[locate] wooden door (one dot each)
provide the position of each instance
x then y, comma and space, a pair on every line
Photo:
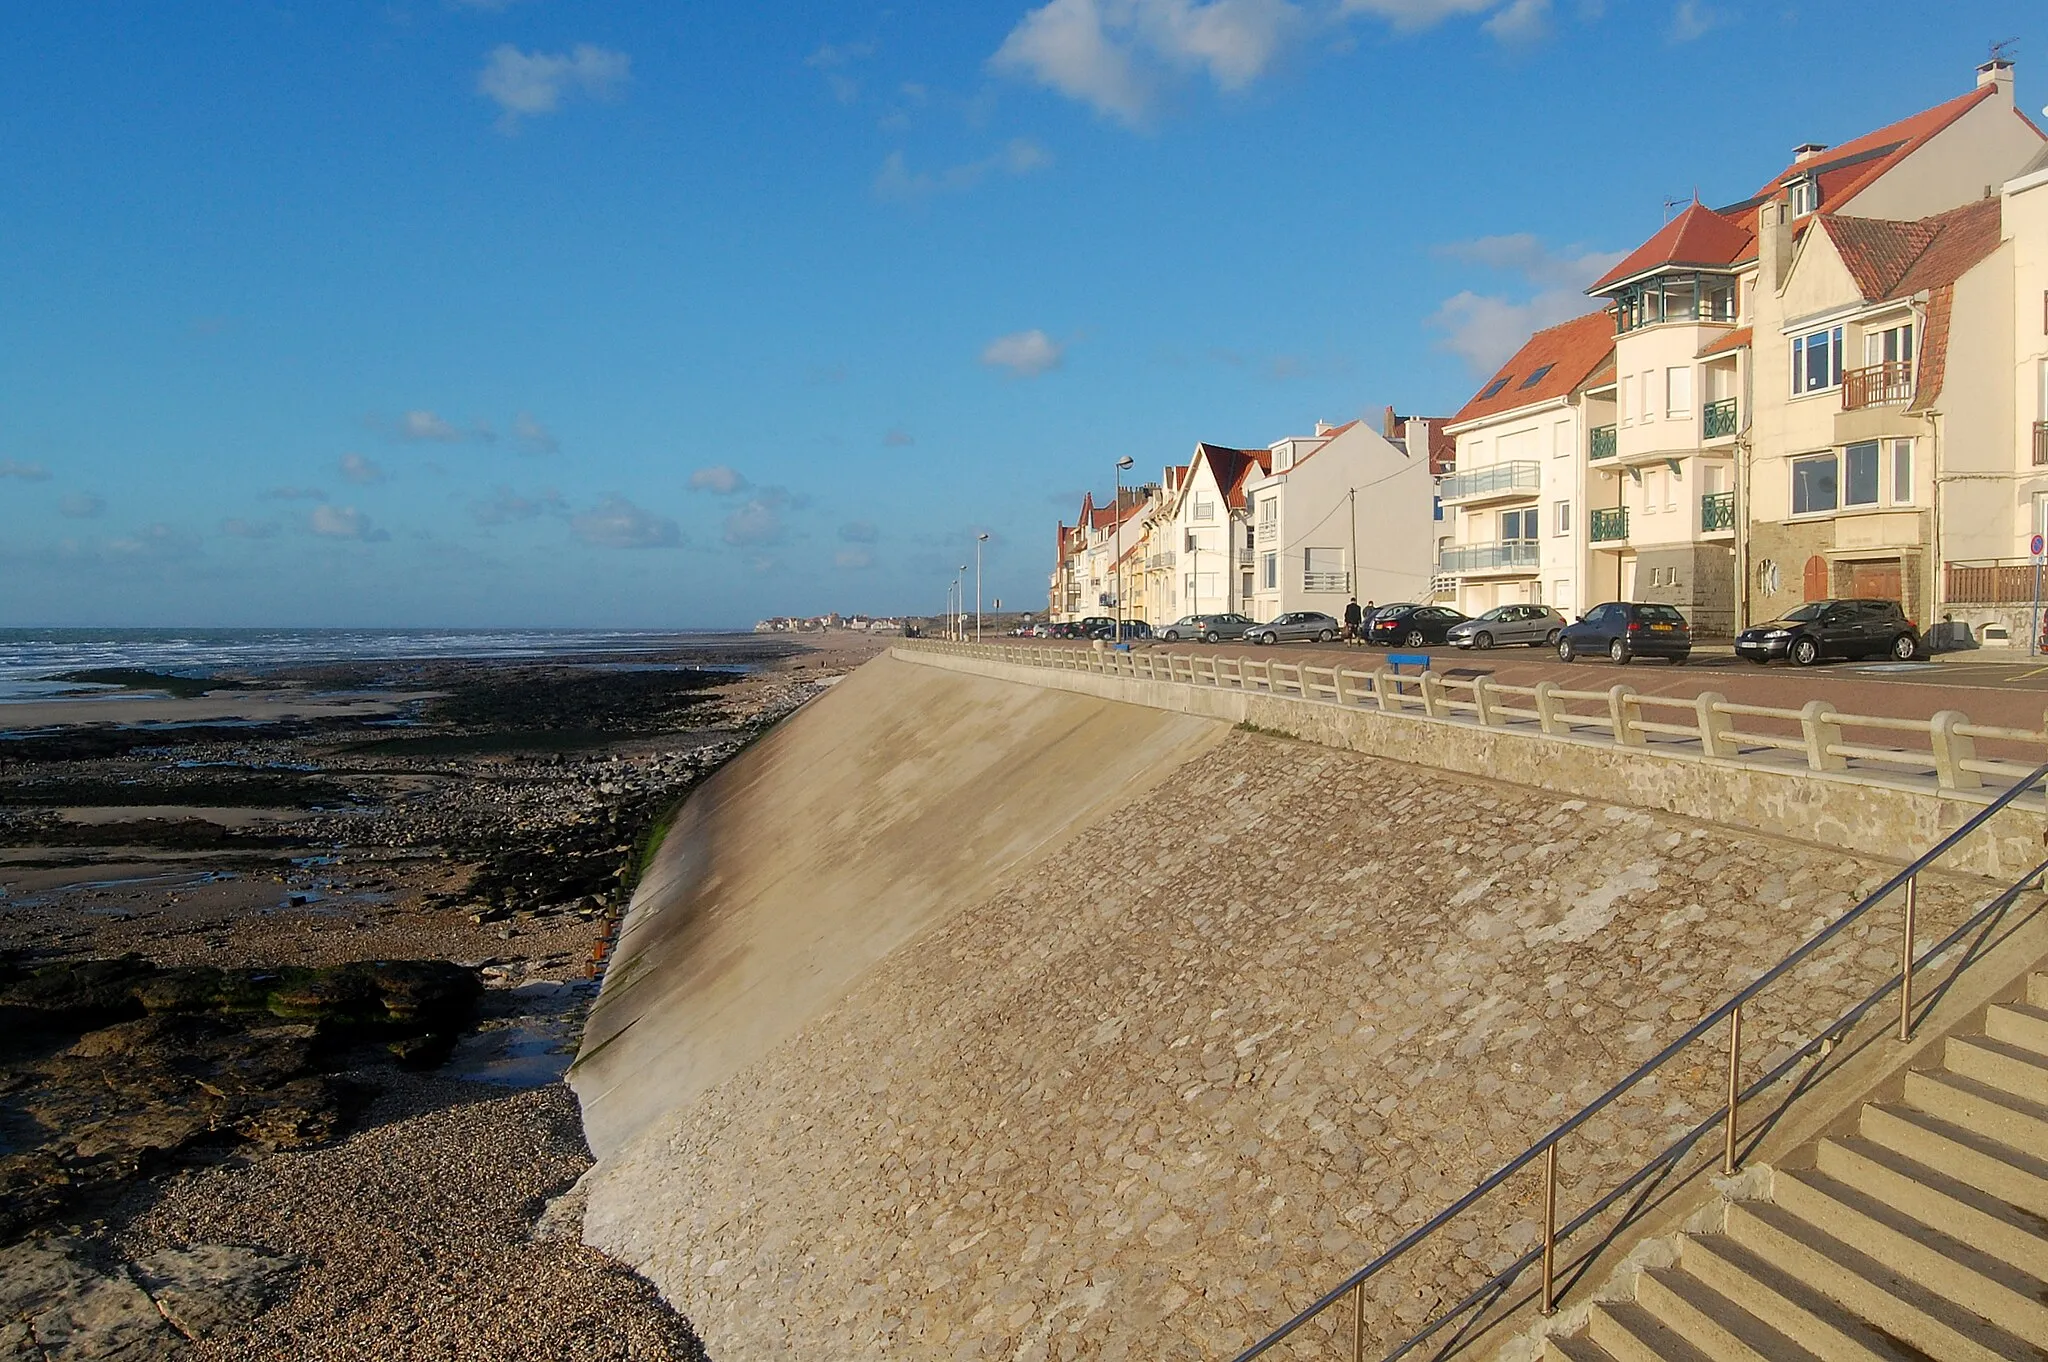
1817, 579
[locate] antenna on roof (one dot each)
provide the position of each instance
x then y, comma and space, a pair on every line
2005, 49
1670, 204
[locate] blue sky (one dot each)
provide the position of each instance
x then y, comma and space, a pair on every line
558, 312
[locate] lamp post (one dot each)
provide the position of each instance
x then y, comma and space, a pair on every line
979, 540
960, 601
1121, 465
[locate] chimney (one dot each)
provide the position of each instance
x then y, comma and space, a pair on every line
1806, 151
1387, 427
1997, 71
1324, 427
1774, 244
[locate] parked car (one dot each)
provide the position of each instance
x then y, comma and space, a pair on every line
1066, 629
1626, 631
1296, 625
1411, 626
1822, 629
1536, 625
1106, 628
1208, 628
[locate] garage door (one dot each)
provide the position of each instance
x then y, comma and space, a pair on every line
1878, 581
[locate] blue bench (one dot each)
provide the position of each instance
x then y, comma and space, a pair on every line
1419, 661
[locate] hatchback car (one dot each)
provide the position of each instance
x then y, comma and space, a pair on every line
1208, 628
1296, 625
1099, 626
1822, 629
1536, 625
1411, 626
1625, 632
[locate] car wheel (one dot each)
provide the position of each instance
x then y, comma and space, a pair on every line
1414, 639
1170, 636
1550, 639
1327, 636
1905, 647
1805, 652
1482, 639
1565, 651
1269, 638
1617, 653
1209, 638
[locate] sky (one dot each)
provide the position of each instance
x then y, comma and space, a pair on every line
620, 313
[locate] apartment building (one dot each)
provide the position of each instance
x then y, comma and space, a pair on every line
1199, 534
1514, 502
1342, 514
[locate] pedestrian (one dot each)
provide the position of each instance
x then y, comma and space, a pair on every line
1365, 621
1351, 619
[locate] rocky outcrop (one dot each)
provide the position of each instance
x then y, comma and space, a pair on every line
59, 1304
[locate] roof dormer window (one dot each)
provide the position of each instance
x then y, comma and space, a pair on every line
1804, 195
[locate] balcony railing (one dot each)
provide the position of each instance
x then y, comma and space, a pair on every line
1609, 524
1718, 419
1717, 512
1269, 530
1163, 559
2040, 443
1879, 385
1509, 555
1326, 581
1516, 475
1243, 555
1604, 443
1988, 581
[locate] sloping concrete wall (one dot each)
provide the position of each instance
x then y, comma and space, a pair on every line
881, 809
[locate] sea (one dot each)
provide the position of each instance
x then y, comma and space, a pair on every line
32, 659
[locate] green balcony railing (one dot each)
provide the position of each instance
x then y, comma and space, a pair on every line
1717, 512
1610, 523
1719, 418
1603, 442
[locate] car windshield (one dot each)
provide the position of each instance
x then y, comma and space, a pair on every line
1661, 614
1812, 610
1499, 612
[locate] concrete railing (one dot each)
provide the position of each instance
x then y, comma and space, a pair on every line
1944, 746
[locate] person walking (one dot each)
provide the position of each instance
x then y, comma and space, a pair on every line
1351, 619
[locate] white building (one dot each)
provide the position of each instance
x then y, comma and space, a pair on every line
1339, 516
1201, 555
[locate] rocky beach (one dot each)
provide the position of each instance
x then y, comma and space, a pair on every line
292, 961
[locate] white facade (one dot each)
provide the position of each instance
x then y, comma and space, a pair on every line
1197, 559
1342, 515
1515, 509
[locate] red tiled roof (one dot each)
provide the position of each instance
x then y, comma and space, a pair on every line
1572, 351
1233, 468
1698, 236
1737, 339
1848, 169
1933, 349
1899, 259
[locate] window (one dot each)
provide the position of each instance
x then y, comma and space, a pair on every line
1269, 571
1564, 517
1205, 508
1678, 391
1817, 361
1533, 379
1860, 466
1893, 345
1494, 387
1813, 485
1519, 524
1805, 196
1269, 510
1902, 472
1622, 392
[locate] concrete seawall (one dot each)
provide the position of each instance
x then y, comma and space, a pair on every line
885, 805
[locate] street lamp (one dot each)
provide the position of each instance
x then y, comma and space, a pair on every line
960, 600
979, 540
1121, 465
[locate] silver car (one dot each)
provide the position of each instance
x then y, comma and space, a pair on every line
1295, 625
1535, 625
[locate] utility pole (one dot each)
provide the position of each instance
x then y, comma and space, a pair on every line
979, 540
1121, 465
1354, 544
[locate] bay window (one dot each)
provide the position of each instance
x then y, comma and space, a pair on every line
1859, 466
1813, 485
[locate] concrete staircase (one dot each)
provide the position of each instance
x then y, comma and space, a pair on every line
1922, 1236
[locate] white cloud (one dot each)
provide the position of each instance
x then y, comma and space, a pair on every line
896, 181
361, 471
898, 438
533, 437
293, 494
524, 84
1692, 20
859, 532
1523, 253
237, 528
27, 472
616, 523
853, 560
1116, 55
504, 505
1024, 353
718, 479
344, 522
758, 520
1523, 21
1409, 15
1485, 328
81, 506
157, 541
426, 426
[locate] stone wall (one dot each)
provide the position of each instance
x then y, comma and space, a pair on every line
1155, 1092
1699, 579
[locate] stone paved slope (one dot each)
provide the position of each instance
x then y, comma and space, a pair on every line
1147, 1099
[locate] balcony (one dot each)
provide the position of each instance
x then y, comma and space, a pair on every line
1879, 385
1242, 555
1269, 530
1717, 419
1517, 478
1512, 555
1717, 513
1604, 442
1163, 560
1339, 582
2040, 443
1608, 524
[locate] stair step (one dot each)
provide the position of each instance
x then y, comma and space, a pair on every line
1991, 1112
1715, 1324
1889, 1298
2020, 1024
1933, 1198
1630, 1333
1789, 1303
2037, 989
1577, 1348
2001, 1292
2012, 1175
2019, 1072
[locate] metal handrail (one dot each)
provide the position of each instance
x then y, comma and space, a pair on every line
1730, 1010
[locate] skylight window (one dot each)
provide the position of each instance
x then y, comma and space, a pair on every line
1533, 379
1495, 386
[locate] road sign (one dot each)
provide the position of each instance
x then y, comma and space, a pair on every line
2037, 546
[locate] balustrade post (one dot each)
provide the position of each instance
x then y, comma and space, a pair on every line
1341, 685
1714, 725
1625, 731
1482, 701
1432, 695
1951, 750
1389, 693
1546, 711
1822, 733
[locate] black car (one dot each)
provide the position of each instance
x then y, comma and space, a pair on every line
1822, 629
1411, 626
1625, 632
